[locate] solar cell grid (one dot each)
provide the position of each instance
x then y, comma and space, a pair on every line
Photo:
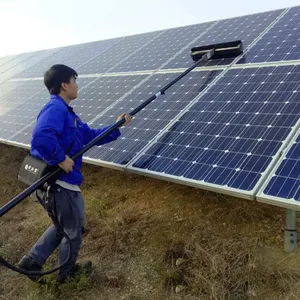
115, 54
14, 70
161, 48
6, 59
152, 119
246, 28
20, 107
230, 135
16, 60
95, 95
14, 93
73, 56
103, 92
280, 43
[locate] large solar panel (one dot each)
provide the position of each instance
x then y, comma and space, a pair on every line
152, 119
221, 128
283, 186
227, 140
280, 43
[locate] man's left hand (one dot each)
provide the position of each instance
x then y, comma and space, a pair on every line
127, 117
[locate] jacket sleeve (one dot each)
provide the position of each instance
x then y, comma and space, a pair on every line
49, 126
89, 134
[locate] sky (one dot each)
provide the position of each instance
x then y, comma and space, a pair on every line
28, 25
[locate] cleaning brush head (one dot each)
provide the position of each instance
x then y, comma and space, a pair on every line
221, 50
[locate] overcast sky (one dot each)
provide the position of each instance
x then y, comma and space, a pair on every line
27, 25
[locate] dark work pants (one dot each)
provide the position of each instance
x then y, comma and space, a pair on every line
70, 213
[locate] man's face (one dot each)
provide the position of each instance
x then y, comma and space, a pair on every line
71, 89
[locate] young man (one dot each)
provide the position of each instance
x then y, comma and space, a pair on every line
58, 129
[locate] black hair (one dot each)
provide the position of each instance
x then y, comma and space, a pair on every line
56, 75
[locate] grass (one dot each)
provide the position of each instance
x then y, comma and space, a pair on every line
140, 228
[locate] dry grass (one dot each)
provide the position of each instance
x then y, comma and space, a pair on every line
139, 227
222, 269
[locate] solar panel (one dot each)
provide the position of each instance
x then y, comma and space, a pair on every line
73, 56
246, 28
20, 107
283, 185
95, 95
163, 47
229, 137
7, 58
6, 87
280, 43
2, 59
14, 93
15, 61
22, 138
21, 65
152, 119
125, 47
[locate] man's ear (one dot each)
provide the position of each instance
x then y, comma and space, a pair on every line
63, 86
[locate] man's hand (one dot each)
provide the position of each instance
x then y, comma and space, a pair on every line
67, 164
127, 119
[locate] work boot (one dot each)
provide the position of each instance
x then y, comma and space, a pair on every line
77, 269
28, 264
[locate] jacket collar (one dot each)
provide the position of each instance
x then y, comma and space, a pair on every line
58, 98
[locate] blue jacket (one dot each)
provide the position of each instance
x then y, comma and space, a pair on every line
56, 127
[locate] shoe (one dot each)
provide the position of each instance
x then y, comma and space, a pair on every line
85, 231
28, 264
77, 269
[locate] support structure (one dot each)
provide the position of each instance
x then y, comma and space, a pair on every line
290, 232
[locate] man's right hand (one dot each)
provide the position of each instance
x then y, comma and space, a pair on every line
67, 164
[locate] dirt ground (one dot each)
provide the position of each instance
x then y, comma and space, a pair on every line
150, 239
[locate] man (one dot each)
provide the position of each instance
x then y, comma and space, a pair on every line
58, 131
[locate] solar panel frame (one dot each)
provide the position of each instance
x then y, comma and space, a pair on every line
274, 200
195, 183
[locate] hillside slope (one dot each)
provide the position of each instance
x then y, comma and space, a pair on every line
140, 228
